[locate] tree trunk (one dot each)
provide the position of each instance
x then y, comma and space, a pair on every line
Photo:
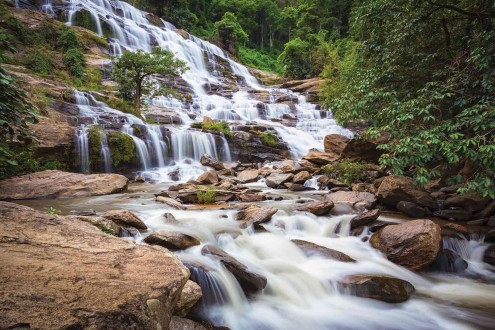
137, 97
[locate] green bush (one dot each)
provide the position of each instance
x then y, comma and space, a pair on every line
46, 35
257, 59
74, 62
206, 196
122, 148
40, 62
67, 39
94, 134
347, 171
295, 59
221, 127
269, 139
14, 25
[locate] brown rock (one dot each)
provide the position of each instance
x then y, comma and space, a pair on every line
276, 180
395, 189
250, 198
171, 240
99, 222
179, 323
207, 160
322, 207
170, 219
365, 219
208, 177
309, 166
301, 177
189, 296
311, 249
454, 214
295, 186
170, 202
413, 244
125, 218
55, 184
321, 158
489, 255
58, 273
470, 201
412, 209
358, 200
255, 215
247, 176
335, 143
379, 287
353, 149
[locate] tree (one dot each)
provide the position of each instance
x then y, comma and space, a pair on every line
424, 73
229, 32
134, 72
296, 59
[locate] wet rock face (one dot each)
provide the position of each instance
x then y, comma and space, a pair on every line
358, 200
413, 244
256, 215
208, 177
73, 275
189, 296
171, 240
248, 176
322, 207
55, 184
448, 261
207, 160
312, 249
353, 149
379, 287
394, 189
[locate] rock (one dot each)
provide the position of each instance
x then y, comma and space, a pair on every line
179, 323
322, 207
103, 224
170, 219
459, 229
365, 219
170, 202
207, 160
125, 218
335, 143
489, 255
456, 215
295, 186
448, 261
190, 295
73, 275
311, 249
171, 240
395, 189
55, 184
250, 198
208, 177
358, 200
470, 201
353, 149
276, 180
412, 209
249, 281
192, 195
256, 215
327, 182
287, 166
320, 158
247, 176
379, 287
309, 166
487, 211
301, 177
413, 244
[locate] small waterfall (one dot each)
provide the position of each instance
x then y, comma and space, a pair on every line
156, 144
47, 8
193, 144
141, 148
105, 153
82, 147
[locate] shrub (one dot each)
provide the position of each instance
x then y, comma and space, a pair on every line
256, 59
67, 39
74, 62
122, 148
40, 62
220, 127
108, 230
269, 139
52, 210
94, 134
14, 25
206, 196
347, 171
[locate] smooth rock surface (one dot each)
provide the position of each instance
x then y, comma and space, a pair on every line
255, 215
248, 176
276, 180
125, 218
171, 240
311, 249
207, 160
55, 184
394, 189
190, 295
379, 287
365, 219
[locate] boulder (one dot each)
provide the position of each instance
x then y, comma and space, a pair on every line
170, 202
207, 160
249, 281
276, 180
58, 273
411, 209
353, 149
489, 255
413, 244
55, 184
295, 186
248, 176
322, 207
385, 288
312, 249
170, 219
470, 201
189, 296
394, 189
179, 323
208, 177
448, 261
250, 198
358, 200
309, 166
171, 240
301, 177
105, 225
125, 218
256, 215
454, 214
320, 158
365, 218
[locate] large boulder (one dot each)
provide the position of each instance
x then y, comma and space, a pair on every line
55, 184
320, 158
365, 218
208, 177
394, 189
358, 200
470, 201
171, 240
413, 210
249, 281
255, 215
190, 295
301, 177
125, 218
353, 149
413, 244
312, 249
322, 207
207, 160
103, 224
379, 287
58, 273
277, 180
248, 176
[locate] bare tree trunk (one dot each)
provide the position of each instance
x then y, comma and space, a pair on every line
137, 98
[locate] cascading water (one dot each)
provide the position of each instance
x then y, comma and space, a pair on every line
105, 153
82, 146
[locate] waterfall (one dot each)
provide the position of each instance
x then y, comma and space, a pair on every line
82, 146
105, 153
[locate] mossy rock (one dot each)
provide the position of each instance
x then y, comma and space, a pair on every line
122, 148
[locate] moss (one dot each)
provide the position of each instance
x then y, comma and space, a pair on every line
40, 61
122, 105
197, 125
108, 230
347, 171
221, 127
94, 134
269, 139
83, 19
122, 148
206, 196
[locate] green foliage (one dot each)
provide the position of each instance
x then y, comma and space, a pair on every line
83, 19
269, 139
95, 139
133, 72
122, 105
256, 59
67, 39
294, 58
14, 25
229, 33
22, 161
425, 74
52, 210
91, 80
347, 171
122, 148
206, 196
221, 127
74, 62
108, 230
40, 61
